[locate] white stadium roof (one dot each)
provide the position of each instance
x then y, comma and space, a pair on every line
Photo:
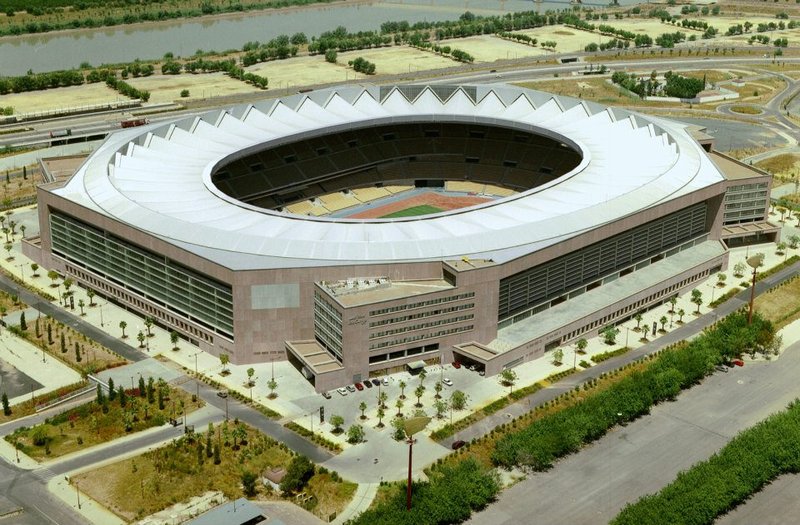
158, 179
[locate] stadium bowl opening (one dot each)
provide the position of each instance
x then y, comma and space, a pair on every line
395, 168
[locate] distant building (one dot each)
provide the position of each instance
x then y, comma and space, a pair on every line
607, 213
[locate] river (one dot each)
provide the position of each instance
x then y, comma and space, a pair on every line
62, 50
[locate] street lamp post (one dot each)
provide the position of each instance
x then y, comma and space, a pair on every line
101, 316
753, 262
195, 363
410, 441
226, 408
22, 271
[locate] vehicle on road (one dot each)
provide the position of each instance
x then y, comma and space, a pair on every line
342, 391
456, 365
447, 381
60, 133
351, 388
458, 444
134, 122
721, 368
359, 387
738, 362
326, 395
222, 394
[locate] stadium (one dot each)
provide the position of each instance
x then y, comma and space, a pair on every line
358, 230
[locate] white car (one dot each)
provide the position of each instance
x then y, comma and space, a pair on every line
385, 381
342, 391
447, 381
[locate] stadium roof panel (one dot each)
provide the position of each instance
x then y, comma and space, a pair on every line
158, 178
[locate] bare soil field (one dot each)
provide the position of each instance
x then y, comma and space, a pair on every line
60, 98
396, 60
167, 88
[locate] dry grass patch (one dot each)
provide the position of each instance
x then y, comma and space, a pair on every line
61, 98
779, 164
167, 88
746, 110
781, 305
392, 61
488, 48
153, 481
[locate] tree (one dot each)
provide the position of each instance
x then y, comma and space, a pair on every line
508, 377
34, 269
148, 324
793, 241
609, 334
362, 407
638, 318
112, 392
68, 282
582, 344
438, 388
399, 426
697, 298
422, 375
781, 248
123, 398
224, 359
37, 329
681, 313
739, 269
142, 387
337, 421
81, 305
383, 397
331, 56
441, 407
298, 473
399, 405
217, 458
663, 322
355, 434
140, 338
8, 251
209, 449
123, 325
78, 357
558, 356
6, 406
721, 278
402, 389
418, 393
49, 334
23, 325
381, 414
90, 294
173, 338
458, 400
672, 302
248, 482
272, 385
63, 343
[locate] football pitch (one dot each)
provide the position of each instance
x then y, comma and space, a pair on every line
422, 209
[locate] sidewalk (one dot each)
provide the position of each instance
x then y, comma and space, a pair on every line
362, 499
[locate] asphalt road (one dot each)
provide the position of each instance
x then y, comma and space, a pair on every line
591, 486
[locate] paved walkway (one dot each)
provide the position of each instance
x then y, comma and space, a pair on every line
362, 499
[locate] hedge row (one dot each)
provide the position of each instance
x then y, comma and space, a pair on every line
713, 487
605, 356
543, 441
450, 496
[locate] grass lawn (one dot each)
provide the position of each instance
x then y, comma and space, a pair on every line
153, 481
746, 110
92, 424
422, 209
28, 407
781, 305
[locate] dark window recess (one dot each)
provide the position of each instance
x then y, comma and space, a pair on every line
289, 159
431, 347
352, 143
412, 159
449, 278
377, 358
389, 136
546, 170
477, 134
520, 138
432, 133
472, 160
256, 167
510, 163
414, 351
397, 355
593, 285
323, 151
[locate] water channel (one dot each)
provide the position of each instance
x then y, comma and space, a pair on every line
62, 50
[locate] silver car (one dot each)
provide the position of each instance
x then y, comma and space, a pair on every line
342, 391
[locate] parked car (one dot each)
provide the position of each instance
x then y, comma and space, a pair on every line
376, 382
721, 368
342, 391
456, 364
359, 386
223, 394
447, 381
481, 372
326, 395
368, 383
351, 388
385, 381
472, 368
458, 444
738, 362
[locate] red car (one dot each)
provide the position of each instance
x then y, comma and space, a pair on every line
738, 362
456, 364
359, 387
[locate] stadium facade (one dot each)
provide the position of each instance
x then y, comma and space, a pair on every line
195, 224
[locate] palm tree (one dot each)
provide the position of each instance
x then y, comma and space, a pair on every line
402, 389
81, 304
438, 388
697, 298
22, 228
418, 392
90, 295
362, 407
681, 313
123, 325
173, 338
638, 318
381, 414
672, 301
34, 269
383, 397
140, 338
399, 406
148, 324
52, 275
663, 322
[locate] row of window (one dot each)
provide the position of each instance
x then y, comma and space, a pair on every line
421, 326
745, 187
154, 276
327, 326
420, 315
429, 302
399, 354
420, 337
753, 195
